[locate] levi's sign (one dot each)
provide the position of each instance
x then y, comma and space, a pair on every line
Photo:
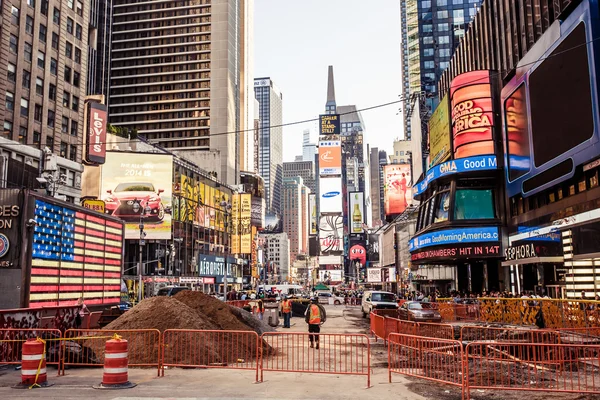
479, 163
96, 134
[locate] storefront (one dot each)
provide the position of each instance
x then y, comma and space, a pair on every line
212, 271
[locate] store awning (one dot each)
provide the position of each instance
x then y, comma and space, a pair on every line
533, 260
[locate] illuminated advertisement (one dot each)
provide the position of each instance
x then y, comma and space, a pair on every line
95, 153
456, 252
235, 224
359, 253
396, 188
331, 233
257, 219
472, 114
329, 124
373, 275
138, 182
356, 211
452, 236
330, 157
312, 209
330, 192
330, 276
245, 227
439, 134
75, 253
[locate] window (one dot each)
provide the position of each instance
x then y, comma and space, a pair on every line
442, 207
427, 28
458, 16
45, 7
426, 4
29, 24
41, 59
427, 52
53, 66
43, 33
69, 50
65, 125
14, 44
76, 78
472, 12
428, 64
28, 52
443, 27
26, 79
78, 31
71, 178
55, 40
69, 25
441, 3
24, 107
77, 55
427, 40
73, 128
10, 101
37, 137
442, 14
51, 118
444, 39
11, 73
72, 152
67, 74
66, 99
444, 65
52, 92
22, 135
56, 16
37, 113
39, 86
79, 8
64, 147
75, 103
14, 15
71, 4
50, 142
31, 3
474, 204
7, 131
444, 52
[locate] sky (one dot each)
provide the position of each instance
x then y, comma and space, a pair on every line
295, 42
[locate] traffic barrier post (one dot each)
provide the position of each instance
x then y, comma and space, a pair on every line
430, 329
116, 371
11, 344
337, 353
33, 365
86, 347
194, 349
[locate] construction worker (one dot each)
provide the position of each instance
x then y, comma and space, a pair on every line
315, 317
286, 311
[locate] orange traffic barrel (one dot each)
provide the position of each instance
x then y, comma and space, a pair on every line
33, 364
116, 375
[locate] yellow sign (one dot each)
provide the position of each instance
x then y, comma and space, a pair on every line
95, 205
439, 134
235, 223
245, 228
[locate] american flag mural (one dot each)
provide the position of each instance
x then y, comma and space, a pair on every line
74, 254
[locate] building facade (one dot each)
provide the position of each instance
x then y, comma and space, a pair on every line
303, 169
402, 152
270, 153
276, 263
378, 160
100, 31
309, 148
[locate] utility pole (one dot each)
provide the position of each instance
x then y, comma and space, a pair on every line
138, 207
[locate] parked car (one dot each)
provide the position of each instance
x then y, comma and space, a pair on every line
419, 312
121, 201
325, 296
171, 290
376, 300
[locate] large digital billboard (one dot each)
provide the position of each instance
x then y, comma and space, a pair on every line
130, 178
330, 157
472, 114
439, 134
331, 233
397, 193
330, 195
329, 124
313, 218
356, 211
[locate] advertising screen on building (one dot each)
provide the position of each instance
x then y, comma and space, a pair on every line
356, 211
397, 193
330, 275
439, 134
330, 192
330, 157
96, 134
331, 233
132, 178
373, 275
313, 218
329, 124
472, 114
245, 227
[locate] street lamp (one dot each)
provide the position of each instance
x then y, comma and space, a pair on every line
137, 207
227, 207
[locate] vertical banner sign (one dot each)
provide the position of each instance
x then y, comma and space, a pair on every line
329, 124
330, 157
235, 224
396, 188
439, 134
312, 209
245, 224
95, 153
356, 211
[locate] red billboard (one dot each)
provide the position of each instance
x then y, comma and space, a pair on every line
96, 134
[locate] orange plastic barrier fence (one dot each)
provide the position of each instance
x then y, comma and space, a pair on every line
11, 343
211, 349
481, 333
429, 329
532, 366
339, 354
589, 335
85, 347
438, 360
238, 303
377, 325
394, 325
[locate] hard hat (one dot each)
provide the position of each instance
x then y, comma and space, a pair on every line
314, 299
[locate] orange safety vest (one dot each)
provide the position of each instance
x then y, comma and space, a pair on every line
315, 315
286, 306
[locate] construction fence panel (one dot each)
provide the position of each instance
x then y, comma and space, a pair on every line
338, 354
471, 333
394, 325
590, 335
532, 366
431, 329
211, 349
238, 303
377, 325
435, 359
86, 347
11, 344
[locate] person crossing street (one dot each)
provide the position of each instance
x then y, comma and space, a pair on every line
286, 311
315, 317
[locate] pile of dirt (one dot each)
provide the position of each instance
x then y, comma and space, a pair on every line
253, 323
217, 311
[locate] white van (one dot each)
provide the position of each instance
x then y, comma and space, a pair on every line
283, 290
375, 300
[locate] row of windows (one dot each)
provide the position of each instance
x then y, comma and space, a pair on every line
441, 3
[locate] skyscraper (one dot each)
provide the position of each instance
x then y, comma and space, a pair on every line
178, 77
303, 169
295, 217
100, 28
270, 151
308, 148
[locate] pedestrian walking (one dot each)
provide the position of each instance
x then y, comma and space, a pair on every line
81, 311
315, 317
286, 311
